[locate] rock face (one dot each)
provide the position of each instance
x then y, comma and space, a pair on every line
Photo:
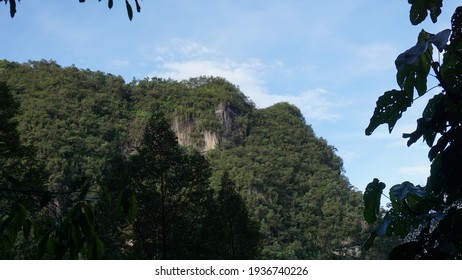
226, 115
190, 133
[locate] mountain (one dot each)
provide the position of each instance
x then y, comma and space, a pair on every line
291, 181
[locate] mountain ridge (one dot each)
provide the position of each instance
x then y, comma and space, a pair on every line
292, 182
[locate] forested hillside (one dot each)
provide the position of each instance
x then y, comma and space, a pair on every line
94, 167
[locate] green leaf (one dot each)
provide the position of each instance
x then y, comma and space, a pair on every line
389, 109
371, 197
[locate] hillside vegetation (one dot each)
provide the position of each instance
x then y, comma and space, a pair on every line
165, 169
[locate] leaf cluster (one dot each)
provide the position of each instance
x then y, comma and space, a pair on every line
424, 217
110, 3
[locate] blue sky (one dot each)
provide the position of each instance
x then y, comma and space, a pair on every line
332, 59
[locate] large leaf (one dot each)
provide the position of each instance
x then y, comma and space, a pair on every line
441, 39
390, 106
402, 190
419, 10
411, 55
414, 66
434, 6
371, 197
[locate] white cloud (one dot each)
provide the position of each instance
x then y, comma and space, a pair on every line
314, 103
245, 75
192, 49
185, 59
415, 171
374, 57
119, 62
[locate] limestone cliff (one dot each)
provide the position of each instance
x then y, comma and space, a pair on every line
192, 132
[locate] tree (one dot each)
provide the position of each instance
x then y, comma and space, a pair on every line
32, 226
28, 223
173, 195
110, 3
292, 183
238, 232
428, 219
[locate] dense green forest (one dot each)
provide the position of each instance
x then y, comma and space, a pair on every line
94, 167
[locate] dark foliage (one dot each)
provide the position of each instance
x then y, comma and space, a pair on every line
427, 219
